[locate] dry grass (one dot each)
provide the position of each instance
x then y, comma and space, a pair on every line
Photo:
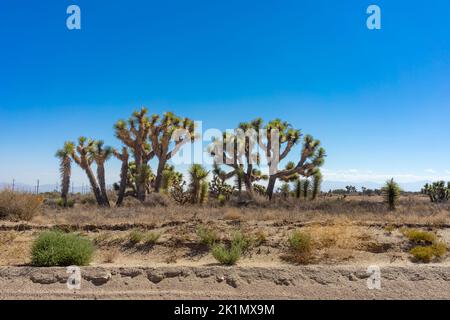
18, 205
232, 214
110, 255
411, 210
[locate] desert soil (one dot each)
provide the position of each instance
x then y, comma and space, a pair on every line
179, 267
215, 282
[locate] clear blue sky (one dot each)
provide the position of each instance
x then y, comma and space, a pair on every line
378, 100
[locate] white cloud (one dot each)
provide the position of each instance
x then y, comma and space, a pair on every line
430, 171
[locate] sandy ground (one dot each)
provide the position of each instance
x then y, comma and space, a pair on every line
214, 282
179, 267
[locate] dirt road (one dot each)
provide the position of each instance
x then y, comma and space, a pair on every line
215, 282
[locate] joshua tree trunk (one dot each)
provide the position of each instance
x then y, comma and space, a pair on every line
65, 183
159, 174
123, 176
271, 186
94, 186
65, 168
102, 183
248, 185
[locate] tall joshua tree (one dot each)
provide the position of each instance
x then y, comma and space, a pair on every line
82, 156
163, 131
317, 182
391, 191
123, 157
100, 153
65, 169
134, 134
280, 138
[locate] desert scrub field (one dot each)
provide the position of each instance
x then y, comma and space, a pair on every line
244, 242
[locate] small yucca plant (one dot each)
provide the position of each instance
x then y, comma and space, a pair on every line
391, 192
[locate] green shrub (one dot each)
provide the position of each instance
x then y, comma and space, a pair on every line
55, 248
207, 236
428, 253
70, 203
226, 256
419, 236
136, 236
151, 237
439, 249
241, 241
221, 199
300, 242
300, 247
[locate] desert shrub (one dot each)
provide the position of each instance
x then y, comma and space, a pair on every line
136, 236
260, 238
439, 249
88, 199
300, 247
55, 248
232, 214
131, 202
242, 241
437, 191
428, 253
18, 205
422, 254
389, 228
156, 199
111, 255
419, 236
207, 236
221, 199
151, 238
70, 203
226, 256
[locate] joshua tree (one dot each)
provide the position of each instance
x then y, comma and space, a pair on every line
437, 191
351, 189
121, 189
317, 181
305, 188
298, 188
169, 176
100, 153
285, 190
281, 138
391, 191
236, 150
65, 169
218, 187
134, 134
162, 132
197, 176
81, 156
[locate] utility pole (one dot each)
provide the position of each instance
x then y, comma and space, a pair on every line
37, 187
13, 185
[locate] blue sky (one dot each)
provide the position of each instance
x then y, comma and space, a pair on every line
378, 100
